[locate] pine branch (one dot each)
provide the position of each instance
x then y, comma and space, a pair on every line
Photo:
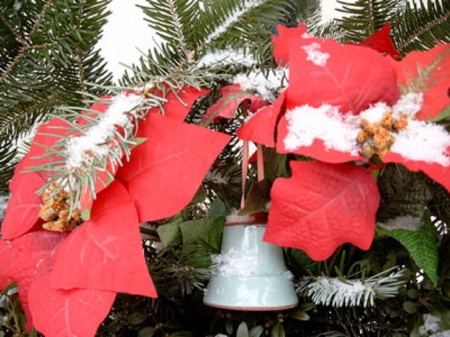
421, 27
339, 292
48, 59
364, 17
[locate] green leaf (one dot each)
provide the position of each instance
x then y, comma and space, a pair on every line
136, 318
278, 330
422, 245
148, 331
256, 331
170, 234
258, 197
242, 330
218, 209
299, 315
409, 307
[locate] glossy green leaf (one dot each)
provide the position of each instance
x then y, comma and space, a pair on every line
278, 330
148, 331
169, 234
256, 331
242, 330
137, 318
422, 245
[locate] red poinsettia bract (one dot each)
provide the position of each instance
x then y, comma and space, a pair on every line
321, 207
334, 90
68, 281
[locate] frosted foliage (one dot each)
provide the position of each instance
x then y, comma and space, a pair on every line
232, 18
337, 131
315, 55
431, 327
234, 263
94, 143
3, 203
264, 84
345, 294
226, 57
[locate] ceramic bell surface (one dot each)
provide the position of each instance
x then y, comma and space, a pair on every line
250, 274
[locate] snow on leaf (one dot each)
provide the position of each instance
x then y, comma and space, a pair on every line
322, 133
164, 172
105, 252
260, 127
381, 42
23, 208
232, 97
68, 313
351, 78
427, 72
321, 207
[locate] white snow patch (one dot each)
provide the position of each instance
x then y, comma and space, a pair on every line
226, 57
267, 85
315, 55
406, 222
336, 130
423, 141
234, 263
94, 142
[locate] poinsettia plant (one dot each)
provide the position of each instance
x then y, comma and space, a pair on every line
70, 238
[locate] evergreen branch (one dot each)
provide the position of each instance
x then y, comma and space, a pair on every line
421, 27
339, 292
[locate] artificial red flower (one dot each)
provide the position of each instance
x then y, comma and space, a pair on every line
60, 276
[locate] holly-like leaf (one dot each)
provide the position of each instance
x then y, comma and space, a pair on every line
68, 313
23, 208
348, 77
422, 245
228, 104
164, 172
403, 193
381, 42
429, 73
105, 253
260, 128
321, 207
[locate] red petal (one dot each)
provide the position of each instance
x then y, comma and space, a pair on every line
232, 97
68, 313
166, 170
41, 140
351, 78
23, 208
381, 42
283, 41
175, 109
7, 256
437, 172
321, 207
32, 254
428, 72
260, 128
105, 253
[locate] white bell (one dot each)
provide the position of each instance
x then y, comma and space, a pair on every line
250, 274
